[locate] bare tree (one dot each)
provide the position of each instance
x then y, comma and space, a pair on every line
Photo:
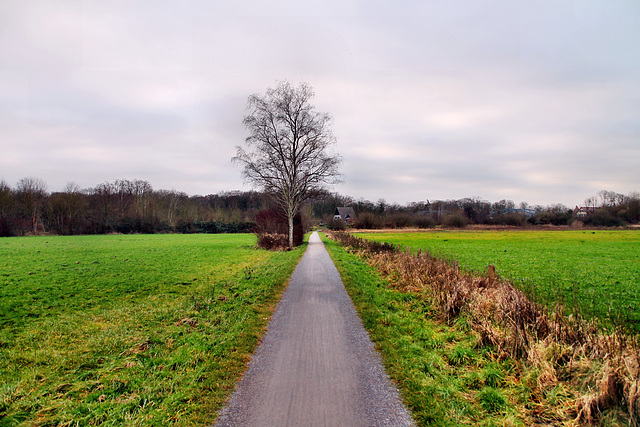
142, 191
7, 201
32, 193
65, 208
287, 149
6, 198
103, 195
124, 187
591, 202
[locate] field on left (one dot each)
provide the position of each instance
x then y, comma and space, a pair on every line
130, 329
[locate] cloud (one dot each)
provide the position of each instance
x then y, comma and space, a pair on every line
534, 102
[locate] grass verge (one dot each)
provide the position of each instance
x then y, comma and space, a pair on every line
130, 330
469, 363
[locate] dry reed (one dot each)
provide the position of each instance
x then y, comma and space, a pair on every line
602, 366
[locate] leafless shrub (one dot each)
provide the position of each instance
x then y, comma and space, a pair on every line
273, 241
424, 221
368, 220
455, 220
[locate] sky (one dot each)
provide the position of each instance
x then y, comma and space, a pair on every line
534, 102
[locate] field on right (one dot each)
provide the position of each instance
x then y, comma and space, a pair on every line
594, 272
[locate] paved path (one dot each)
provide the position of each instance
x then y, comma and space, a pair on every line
316, 365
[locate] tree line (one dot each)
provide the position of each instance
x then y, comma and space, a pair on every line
122, 206
606, 209
134, 206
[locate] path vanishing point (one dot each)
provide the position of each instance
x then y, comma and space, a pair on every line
316, 365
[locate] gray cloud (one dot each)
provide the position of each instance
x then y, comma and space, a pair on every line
535, 102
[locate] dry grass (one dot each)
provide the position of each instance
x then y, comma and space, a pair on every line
600, 368
273, 241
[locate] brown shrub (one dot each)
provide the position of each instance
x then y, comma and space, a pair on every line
455, 220
337, 224
273, 241
274, 221
368, 220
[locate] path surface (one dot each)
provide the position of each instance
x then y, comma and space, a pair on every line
316, 365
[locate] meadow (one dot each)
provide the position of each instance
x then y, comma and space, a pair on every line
130, 329
595, 272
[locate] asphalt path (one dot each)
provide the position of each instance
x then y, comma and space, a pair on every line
316, 365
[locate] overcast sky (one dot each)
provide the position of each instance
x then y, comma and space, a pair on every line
535, 101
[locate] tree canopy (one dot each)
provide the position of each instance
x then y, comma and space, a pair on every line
287, 150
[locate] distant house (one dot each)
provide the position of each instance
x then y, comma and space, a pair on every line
584, 211
345, 213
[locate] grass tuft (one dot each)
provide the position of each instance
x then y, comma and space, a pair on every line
461, 355
493, 376
491, 400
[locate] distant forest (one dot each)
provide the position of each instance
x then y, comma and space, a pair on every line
133, 206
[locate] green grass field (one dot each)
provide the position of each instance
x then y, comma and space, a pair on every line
130, 330
594, 271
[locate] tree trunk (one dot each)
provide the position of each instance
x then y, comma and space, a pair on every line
34, 222
290, 231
